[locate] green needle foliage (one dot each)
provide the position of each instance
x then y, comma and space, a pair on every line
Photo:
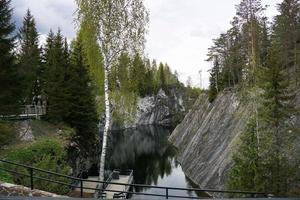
265, 59
9, 73
55, 77
82, 114
29, 58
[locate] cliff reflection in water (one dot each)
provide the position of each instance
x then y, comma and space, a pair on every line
145, 150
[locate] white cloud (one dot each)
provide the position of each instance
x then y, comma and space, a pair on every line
49, 14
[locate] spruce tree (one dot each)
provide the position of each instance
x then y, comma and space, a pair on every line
286, 34
9, 75
214, 80
81, 109
162, 77
29, 58
137, 75
244, 173
149, 78
123, 71
265, 164
55, 78
276, 130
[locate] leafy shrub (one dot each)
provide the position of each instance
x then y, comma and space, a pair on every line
46, 154
7, 134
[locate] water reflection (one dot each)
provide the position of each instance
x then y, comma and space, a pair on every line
146, 150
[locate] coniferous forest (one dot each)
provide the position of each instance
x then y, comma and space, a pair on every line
257, 59
66, 77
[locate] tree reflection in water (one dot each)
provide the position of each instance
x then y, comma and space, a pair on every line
147, 151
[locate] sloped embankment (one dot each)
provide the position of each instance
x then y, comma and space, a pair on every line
206, 137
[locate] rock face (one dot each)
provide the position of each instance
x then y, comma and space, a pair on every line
206, 137
159, 109
24, 130
11, 190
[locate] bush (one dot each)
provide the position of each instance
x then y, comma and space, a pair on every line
46, 154
7, 134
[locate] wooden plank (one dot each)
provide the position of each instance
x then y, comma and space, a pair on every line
121, 188
89, 185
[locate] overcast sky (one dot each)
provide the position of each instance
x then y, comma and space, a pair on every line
180, 31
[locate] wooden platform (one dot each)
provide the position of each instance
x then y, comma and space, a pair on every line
87, 184
126, 179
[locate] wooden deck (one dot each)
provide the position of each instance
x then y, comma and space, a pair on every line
121, 188
87, 184
125, 177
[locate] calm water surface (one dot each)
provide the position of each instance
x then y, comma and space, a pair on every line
147, 151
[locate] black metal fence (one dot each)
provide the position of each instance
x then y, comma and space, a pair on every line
166, 194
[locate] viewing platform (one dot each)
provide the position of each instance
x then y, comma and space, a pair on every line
110, 188
118, 176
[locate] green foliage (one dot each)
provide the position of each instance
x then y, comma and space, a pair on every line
81, 113
214, 80
124, 105
55, 77
92, 56
9, 73
162, 77
137, 75
46, 154
286, 31
29, 58
262, 160
244, 173
7, 134
242, 50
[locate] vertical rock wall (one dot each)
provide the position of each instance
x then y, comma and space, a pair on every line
206, 137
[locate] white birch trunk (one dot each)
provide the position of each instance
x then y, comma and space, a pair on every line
107, 122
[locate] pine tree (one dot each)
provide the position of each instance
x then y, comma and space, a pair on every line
9, 75
250, 14
29, 58
82, 114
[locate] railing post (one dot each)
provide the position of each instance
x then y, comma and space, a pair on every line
81, 188
31, 179
167, 193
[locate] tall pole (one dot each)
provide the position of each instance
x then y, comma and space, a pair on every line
200, 75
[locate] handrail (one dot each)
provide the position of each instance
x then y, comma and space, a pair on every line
25, 111
80, 180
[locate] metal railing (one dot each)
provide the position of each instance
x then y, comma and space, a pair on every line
25, 112
167, 190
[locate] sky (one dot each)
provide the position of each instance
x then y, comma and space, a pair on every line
179, 31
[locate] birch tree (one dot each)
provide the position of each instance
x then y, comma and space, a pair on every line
120, 27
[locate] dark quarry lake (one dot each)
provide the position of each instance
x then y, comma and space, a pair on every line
147, 151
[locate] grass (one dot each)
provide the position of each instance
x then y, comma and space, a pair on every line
40, 130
